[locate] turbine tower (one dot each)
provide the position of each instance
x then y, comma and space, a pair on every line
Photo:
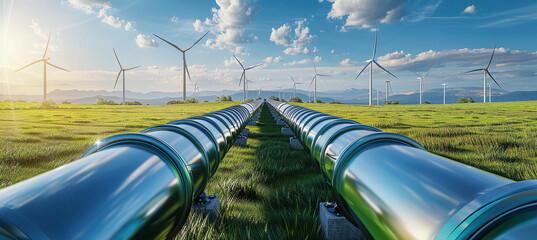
420, 77
315, 80
244, 93
372, 60
294, 84
185, 67
45, 63
122, 70
444, 84
490, 92
280, 93
485, 72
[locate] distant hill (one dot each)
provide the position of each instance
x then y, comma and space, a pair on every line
349, 96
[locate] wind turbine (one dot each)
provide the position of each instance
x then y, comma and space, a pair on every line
444, 84
185, 67
280, 93
372, 60
196, 88
259, 92
388, 84
485, 72
245, 94
122, 70
315, 80
294, 84
420, 77
45, 63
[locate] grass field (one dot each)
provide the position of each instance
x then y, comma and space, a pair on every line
267, 190
497, 137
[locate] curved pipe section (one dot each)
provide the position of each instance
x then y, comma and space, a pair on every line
392, 188
135, 185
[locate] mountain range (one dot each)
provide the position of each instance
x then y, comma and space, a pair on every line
348, 96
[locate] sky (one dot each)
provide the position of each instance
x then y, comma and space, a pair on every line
285, 36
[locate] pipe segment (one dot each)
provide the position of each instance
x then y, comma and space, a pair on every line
127, 186
390, 187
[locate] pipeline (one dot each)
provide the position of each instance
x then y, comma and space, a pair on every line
390, 187
134, 185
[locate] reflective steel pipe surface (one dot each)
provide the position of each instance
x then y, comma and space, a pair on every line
135, 185
392, 188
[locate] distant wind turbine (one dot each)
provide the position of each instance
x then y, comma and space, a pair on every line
196, 88
420, 77
243, 76
185, 67
372, 60
314, 80
259, 92
122, 70
280, 93
45, 63
485, 72
294, 84
388, 87
444, 84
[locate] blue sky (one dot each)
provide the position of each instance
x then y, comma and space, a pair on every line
450, 37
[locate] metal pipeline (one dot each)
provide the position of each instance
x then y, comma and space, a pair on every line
391, 188
134, 185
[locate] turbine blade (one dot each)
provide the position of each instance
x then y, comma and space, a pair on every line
34, 62
475, 70
375, 47
323, 75
490, 75
491, 56
242, 75
188, 73
57, 67
117, 58
378, 65
292, 78
427, 72
253, 66
46, 48
390, 85
197, 41
314, 68
362, 70
239, 62
173, 45
416, 74
132, 68
119, 74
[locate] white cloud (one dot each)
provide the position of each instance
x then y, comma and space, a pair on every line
303, 61
367, 13
101, 9
317, 59
38, 31
145, 41
347, 62
232, 61
229, 21
240, 50
332, 51
296, 45
462, 57
281, 35
273, 59
154, 67
174, 19
469, 10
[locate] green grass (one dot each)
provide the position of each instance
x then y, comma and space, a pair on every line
33, 141
496, 137
269, 191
